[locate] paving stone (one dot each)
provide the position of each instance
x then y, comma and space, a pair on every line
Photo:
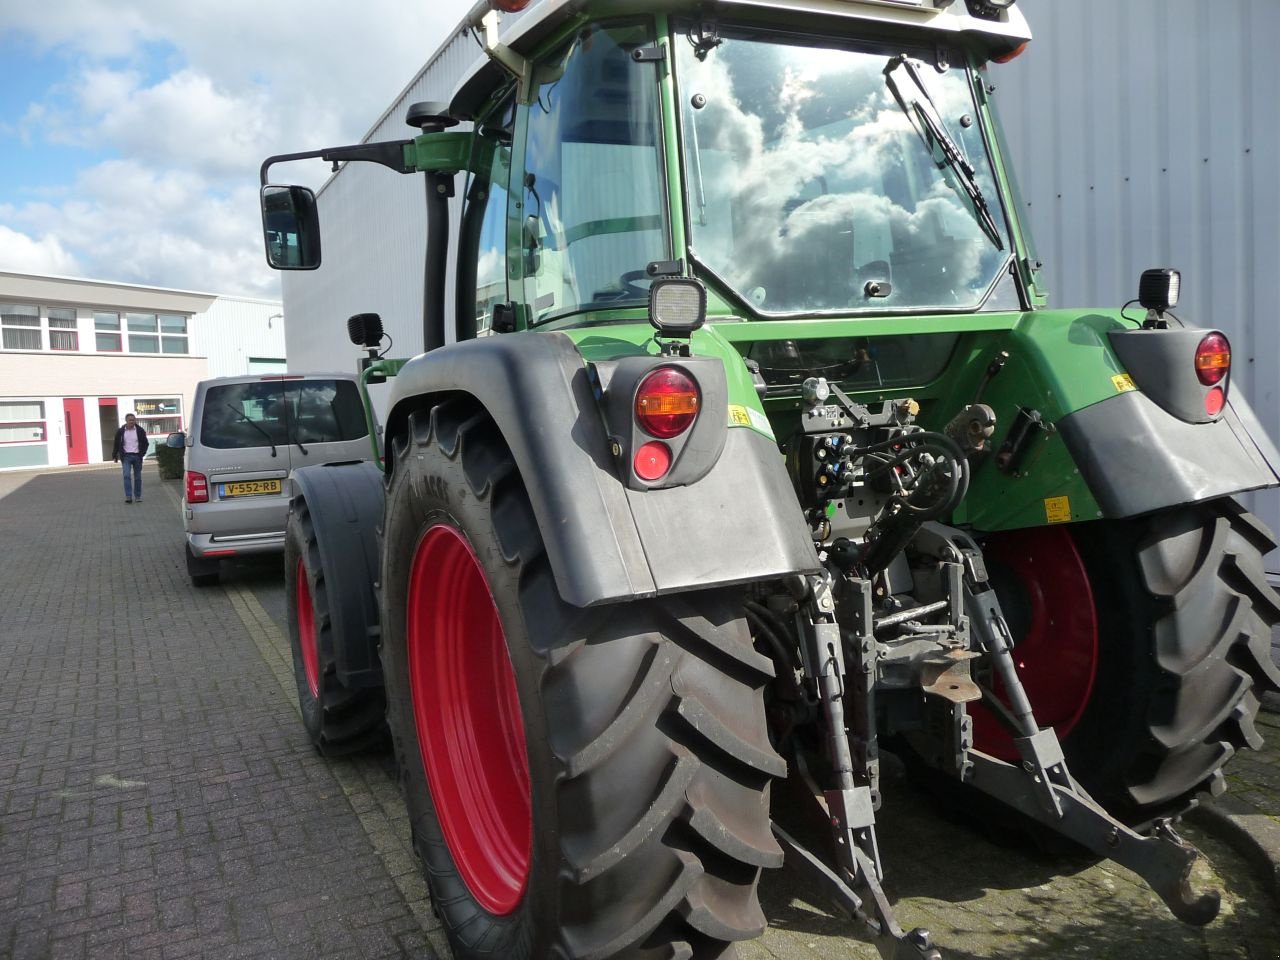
156, 787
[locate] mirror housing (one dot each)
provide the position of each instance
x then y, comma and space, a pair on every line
290, 227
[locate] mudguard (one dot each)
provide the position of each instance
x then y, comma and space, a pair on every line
741, 522
345, 501
1137, 458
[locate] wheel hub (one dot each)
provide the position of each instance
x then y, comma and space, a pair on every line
307, 629
467, 714
1042, 581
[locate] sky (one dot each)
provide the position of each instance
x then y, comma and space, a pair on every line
131, 131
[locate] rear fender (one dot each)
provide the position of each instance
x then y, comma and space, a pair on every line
738, 522
345, 501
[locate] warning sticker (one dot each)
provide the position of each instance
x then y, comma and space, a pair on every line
740, 416
1057, 509
1123, 383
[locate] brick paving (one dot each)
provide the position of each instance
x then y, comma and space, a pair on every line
158, 798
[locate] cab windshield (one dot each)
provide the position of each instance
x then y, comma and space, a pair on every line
823, 180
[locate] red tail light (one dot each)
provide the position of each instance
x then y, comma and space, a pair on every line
652, 461
197, 487
1213, 359
1214, 401
667, 403
508, 6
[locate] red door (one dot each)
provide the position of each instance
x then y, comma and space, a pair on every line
73, 414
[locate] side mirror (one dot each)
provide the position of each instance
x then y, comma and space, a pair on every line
290, 227
176, 439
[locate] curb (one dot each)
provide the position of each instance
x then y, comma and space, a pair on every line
1255, 836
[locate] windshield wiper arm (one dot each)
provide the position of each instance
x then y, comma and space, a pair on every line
241, 415
934, 134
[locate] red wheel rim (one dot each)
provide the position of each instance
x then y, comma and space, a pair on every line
306, 629
467, 713
1056, 655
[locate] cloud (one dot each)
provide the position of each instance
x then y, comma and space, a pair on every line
20, 253
174, 106
130, 223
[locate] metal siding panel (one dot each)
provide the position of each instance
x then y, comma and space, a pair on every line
1141, 146
234, 329
374, 242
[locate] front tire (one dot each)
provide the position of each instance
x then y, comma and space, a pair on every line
621, 807
1183, 614
339, 720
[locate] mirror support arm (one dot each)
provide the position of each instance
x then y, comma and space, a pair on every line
390, 154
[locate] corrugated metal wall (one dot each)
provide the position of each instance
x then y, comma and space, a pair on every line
1146, 134
375, 219
235, 329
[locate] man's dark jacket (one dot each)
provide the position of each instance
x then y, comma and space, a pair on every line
117, 449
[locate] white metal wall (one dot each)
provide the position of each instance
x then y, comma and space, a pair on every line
235, 329
1146, 134
374, 241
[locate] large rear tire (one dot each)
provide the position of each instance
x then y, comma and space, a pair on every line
1183, 615
339, 720
618, 803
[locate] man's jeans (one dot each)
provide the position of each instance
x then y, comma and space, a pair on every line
132, 462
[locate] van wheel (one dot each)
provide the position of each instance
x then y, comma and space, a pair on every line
203, 572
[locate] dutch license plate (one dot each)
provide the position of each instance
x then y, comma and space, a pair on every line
248, 488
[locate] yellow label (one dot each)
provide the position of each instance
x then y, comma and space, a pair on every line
1057, 509
1123, 383
738, 415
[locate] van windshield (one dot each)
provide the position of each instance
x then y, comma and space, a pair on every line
266, 413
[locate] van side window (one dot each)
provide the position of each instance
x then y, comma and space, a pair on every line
267, 412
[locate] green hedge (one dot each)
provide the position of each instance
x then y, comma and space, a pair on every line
169, 460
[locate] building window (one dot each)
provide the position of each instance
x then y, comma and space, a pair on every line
20, 327
104, 339
63, 334
22, 421
142, 333
159, 416
173, 333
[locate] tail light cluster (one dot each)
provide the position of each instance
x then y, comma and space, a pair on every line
666, 405
1213, 363
197, 487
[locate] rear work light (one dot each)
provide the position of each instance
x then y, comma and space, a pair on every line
197, 487
667, 402
1213, 359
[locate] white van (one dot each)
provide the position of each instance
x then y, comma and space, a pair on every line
248, 434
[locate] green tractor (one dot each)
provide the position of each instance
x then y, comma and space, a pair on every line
744, 446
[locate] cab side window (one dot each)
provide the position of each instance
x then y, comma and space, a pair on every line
590, 208
482, 278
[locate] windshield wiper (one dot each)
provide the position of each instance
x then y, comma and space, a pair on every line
923, 114
241, 415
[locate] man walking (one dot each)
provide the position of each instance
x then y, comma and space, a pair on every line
130, 446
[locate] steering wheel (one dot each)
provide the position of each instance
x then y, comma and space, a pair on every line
631, 289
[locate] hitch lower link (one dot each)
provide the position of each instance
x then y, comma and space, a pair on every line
850, 805
1044, 789
1040, 787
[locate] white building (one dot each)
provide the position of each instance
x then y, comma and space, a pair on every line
77, 355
